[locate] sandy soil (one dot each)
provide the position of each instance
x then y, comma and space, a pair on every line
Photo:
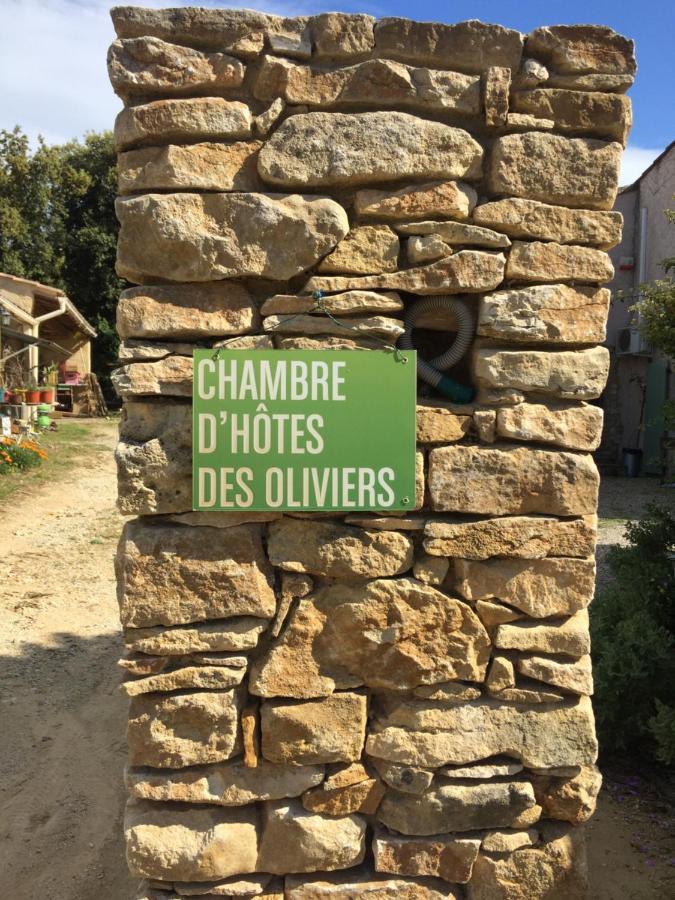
62, 719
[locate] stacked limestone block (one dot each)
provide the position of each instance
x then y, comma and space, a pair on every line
366, 705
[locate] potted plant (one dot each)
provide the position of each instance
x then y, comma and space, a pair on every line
32, 393
46, 393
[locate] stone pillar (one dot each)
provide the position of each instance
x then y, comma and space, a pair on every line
365, 705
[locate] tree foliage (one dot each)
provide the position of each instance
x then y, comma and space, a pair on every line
633, 631
58, 226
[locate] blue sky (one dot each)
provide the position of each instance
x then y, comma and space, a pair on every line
52, 64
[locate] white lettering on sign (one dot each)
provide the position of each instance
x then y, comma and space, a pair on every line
233, 379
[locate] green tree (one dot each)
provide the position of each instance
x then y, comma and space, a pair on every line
91, 241
58, 226
633, 632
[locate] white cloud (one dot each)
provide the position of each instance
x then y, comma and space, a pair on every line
634, 161
53, 78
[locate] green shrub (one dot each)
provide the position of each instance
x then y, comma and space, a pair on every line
662, 726
633, 632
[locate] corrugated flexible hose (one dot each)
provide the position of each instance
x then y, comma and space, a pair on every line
433, 371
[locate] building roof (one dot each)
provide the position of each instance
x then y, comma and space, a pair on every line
46, 291
38, 341
630, 187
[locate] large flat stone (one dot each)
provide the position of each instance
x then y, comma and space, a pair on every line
186, 311
532, 219
578, 112
223, 784
378, 327
580, 172
567, 374
548, 261
207, 237
420, 733
154, 458
173, 121
205, 637
318, 149
201, 677
456, 808
575, 426
525, 537
542, 588
238, 31
508, 480
367, 249
471, 46
170, 376
613, 84
203, 167
545, 313
447, 857
456, 234
349, 303
151, 67
484, 772
394, 84
144, 350
172, 575
337, 551
320, 731
568, 637
579, 49
185, 844
554, 871
388, 635
576, 677
442, 199
364, 884
168, 731
469, 271
295, 840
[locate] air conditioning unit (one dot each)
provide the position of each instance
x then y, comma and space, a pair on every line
631, 342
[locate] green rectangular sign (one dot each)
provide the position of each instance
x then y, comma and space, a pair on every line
303, 430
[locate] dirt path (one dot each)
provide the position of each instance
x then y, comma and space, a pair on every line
62, 720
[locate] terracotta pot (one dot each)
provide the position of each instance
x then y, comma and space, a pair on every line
46, 395
32, 396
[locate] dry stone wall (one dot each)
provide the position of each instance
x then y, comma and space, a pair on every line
365, 705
